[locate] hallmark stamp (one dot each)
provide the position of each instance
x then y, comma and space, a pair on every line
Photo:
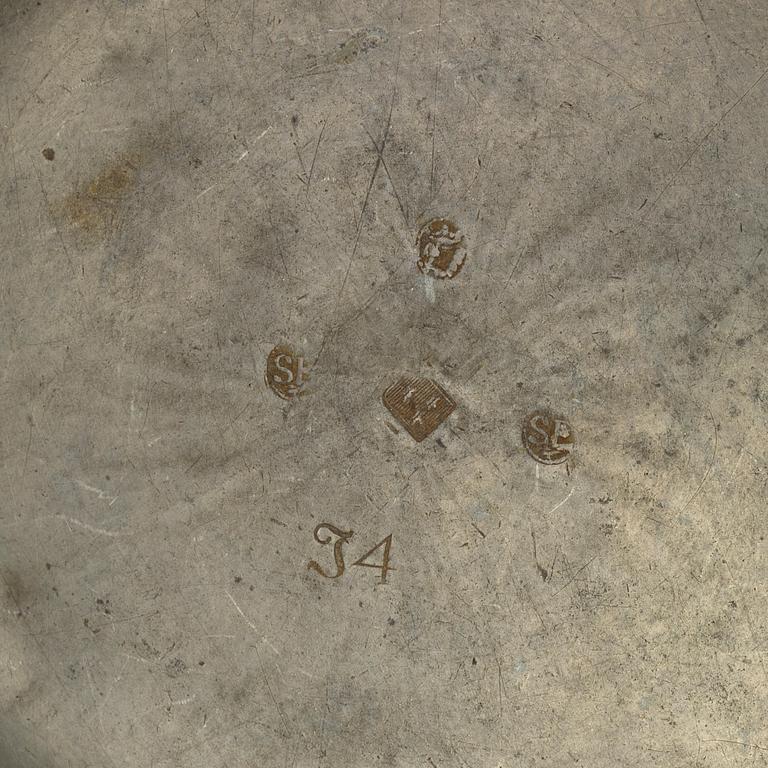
441, 249
548, 438
420, 405
286, 373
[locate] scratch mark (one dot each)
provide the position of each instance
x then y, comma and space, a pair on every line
429, 287
239, 610
617, 74
94, 628
271, 694
13, 162
542, 571
572, 579
298, 154
193, 463
701, 15
58, 230
306, 674
730, 741
91, 528
709, 468
266, 642
434, 106
168, 80
102, 494
253, 22
368, 194
557, 506
314, 157
501, 689
184, 701
512, 271
703, 139
360, 223
389, 176
535, 608
29, 445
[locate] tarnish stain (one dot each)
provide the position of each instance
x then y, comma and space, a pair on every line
93, 209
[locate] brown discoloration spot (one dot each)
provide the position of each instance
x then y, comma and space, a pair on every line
48, 153
420, 405
441, 249
548, 438
94, 208
286, 373
360, 42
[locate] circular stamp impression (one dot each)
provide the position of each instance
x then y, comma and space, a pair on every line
286, 373
547, 437
441, 249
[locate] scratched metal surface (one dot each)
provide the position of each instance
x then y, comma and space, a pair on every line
186, 186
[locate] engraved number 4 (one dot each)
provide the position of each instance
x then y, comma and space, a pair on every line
385, 566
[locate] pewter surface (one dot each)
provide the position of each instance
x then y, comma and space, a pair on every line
225, 175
